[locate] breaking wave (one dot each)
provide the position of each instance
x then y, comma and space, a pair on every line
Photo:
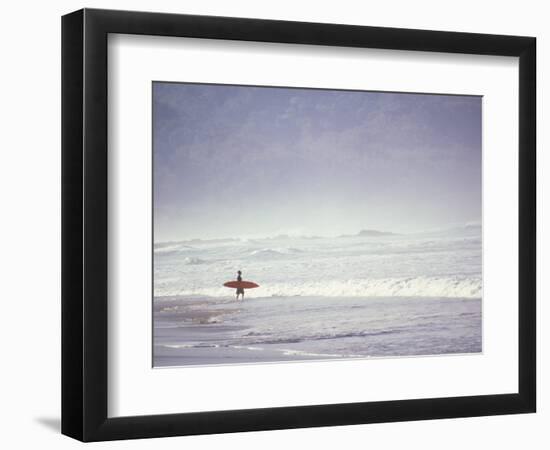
451, 287
274, 252
166, 249
190, 261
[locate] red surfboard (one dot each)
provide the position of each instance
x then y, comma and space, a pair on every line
241, 284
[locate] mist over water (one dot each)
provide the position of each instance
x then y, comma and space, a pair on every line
241, 160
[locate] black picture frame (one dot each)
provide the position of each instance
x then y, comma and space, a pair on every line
84, 224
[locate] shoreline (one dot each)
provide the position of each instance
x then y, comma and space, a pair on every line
198, 331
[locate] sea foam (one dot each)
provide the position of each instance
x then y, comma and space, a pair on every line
452, 287
436, 264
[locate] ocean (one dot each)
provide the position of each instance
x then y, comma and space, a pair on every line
362, 296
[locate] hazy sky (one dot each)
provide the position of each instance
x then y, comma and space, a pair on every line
234, 161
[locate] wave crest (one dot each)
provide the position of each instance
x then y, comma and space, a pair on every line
275, 252
452, 287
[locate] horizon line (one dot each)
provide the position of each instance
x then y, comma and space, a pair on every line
379, 233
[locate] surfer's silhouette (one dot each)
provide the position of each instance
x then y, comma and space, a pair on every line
240, 290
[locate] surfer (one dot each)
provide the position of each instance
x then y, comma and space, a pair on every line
240, 285
240, 290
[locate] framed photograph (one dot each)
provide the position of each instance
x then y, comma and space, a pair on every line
272, 224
